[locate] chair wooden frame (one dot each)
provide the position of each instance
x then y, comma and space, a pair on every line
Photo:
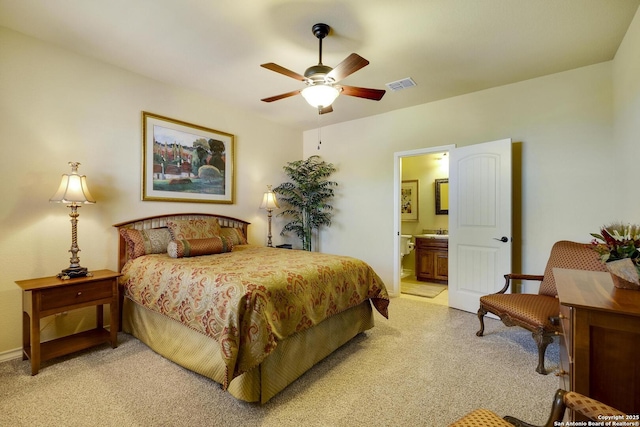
542, 336
539, 313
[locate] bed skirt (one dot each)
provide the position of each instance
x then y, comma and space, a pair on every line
292, 357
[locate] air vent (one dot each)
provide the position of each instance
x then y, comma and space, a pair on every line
401, 84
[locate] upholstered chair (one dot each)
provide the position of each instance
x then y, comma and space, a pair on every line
539, 312
588, 408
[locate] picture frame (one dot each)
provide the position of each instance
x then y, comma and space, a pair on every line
409, 200
185, 162
442, 196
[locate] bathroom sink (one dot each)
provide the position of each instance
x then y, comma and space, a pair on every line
433, 236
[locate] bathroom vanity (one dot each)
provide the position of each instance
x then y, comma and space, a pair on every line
432, 258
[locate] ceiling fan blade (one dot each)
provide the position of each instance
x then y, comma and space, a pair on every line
279, 69
349, 66
325, 110
281, 96
363, 92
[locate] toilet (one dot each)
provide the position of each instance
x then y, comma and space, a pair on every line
406, 246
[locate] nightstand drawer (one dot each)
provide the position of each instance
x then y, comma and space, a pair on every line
71, 295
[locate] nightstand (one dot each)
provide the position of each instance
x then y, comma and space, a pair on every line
50, 295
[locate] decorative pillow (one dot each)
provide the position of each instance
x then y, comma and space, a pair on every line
234, 234
182, 229
196, 247
143, 242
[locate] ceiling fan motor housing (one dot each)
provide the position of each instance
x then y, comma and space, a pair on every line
318, 73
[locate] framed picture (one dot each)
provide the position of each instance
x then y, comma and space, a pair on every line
442, 196
183, 162
409, 200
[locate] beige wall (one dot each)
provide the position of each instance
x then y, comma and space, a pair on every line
58, 107
626, 95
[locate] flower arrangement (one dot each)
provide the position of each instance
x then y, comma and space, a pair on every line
620, 242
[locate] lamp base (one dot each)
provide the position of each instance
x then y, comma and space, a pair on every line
73, 272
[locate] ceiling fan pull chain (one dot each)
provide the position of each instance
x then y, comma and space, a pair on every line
319, 129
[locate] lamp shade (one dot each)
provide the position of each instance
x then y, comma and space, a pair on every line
320, 95
269, 200
73, 188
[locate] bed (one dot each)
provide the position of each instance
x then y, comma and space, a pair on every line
249, 317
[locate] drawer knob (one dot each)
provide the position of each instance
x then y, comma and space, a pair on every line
562, 316
79, 293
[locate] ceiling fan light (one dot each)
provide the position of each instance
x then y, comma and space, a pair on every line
320, 95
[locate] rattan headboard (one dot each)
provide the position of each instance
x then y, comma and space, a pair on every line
160, 221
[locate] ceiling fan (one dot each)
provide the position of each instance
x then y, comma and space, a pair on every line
321, 79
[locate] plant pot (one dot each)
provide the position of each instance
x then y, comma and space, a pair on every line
624, 274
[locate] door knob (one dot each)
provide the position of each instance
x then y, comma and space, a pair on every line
503, 239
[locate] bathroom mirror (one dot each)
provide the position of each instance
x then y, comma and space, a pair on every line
442, 196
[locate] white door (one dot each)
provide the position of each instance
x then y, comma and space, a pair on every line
479, 221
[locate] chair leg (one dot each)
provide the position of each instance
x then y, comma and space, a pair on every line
555, 417
481, 313
542, 340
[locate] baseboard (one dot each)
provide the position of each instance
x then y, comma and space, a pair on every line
10, 355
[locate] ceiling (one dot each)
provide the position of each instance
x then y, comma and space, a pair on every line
448, 47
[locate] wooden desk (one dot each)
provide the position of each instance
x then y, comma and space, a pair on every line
50, 295
600, 343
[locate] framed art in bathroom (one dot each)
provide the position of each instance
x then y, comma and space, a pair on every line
409, 200
184, 162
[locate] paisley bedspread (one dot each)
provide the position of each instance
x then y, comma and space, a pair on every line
249, 298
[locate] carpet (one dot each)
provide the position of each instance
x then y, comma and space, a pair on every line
423, 367
428, 290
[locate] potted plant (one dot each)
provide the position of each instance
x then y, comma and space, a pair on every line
618, 245
306, 197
